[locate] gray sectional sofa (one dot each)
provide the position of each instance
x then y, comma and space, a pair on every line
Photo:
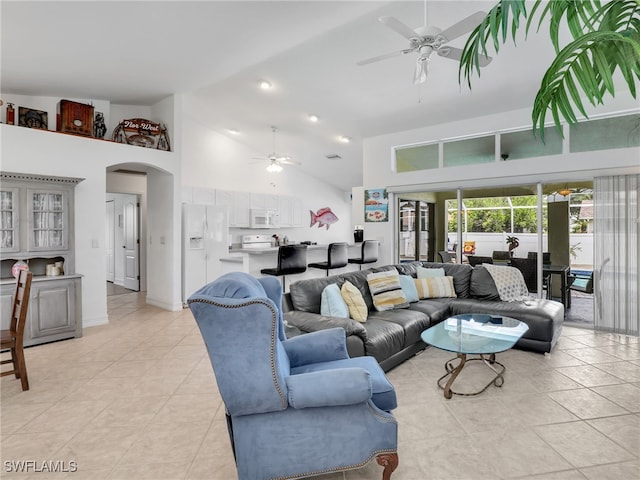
393, 336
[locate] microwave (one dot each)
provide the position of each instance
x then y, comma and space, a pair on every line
261, 218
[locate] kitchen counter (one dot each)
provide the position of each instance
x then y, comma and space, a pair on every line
252, 260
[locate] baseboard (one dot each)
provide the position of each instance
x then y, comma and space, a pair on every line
94, 322
173, 307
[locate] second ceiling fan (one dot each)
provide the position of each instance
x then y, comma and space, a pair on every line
276, 161
428, 39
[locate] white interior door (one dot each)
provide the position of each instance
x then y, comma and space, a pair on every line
131, 243
110, 216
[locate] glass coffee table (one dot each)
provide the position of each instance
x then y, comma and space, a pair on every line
474, 334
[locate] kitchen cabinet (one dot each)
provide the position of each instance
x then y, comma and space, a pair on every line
36, 226
290, 211
238, 204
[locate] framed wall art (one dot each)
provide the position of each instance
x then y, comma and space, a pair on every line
376, 205
30, 118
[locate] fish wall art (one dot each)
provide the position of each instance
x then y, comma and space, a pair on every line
323, 217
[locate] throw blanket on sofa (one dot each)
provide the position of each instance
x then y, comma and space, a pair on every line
509, 282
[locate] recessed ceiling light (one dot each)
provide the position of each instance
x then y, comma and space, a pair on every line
313, 118
345, 139
233, 131
265, 85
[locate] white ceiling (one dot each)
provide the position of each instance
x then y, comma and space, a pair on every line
140, 52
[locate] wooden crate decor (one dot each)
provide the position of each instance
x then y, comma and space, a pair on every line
30, 118
75, 117
143, 133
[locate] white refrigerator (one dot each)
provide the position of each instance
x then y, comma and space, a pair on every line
205, 239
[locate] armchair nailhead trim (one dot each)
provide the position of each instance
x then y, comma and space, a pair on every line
272, 347
337, 469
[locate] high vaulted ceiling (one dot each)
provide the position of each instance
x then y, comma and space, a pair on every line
140, 52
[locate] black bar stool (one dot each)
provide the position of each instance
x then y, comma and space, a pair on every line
337, 257
291, 259
369, 253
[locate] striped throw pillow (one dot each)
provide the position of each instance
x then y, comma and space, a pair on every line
437, 287
386, 290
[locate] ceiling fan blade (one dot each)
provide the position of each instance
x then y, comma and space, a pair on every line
288, 161
383, 57
399, 27
463, 26
450, 52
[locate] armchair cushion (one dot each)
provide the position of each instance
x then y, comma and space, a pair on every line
315, 347
328, 388
383, 393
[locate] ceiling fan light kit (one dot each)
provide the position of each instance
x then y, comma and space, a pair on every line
428, 39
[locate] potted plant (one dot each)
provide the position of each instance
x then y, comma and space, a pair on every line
513, 243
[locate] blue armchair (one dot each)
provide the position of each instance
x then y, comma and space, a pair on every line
298, 407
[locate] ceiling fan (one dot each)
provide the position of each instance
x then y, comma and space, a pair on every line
428, 39
276, 161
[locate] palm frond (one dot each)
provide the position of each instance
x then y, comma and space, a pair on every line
589, 62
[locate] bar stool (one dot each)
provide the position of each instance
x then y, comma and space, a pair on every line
337, 257
291, 259
369, 253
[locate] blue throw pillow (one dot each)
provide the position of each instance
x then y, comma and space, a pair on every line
409, 288
332, 304
430, 272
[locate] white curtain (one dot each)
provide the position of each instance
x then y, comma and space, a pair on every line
616, 262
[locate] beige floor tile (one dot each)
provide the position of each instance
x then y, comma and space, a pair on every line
123, 412
627, 371
589, 375
563, 475
66, 417
587, 404
626, 395
624, 430
481, 414
582, 445
591, 355
624, 352
520, 443
166, 442
189, 408
99, 448
150, 471
614, 471
33, 446
536, 409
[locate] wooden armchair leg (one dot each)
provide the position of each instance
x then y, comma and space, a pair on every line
390, 462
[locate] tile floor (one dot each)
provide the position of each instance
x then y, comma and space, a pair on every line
136, 399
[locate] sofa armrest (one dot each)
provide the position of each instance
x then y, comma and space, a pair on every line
316, 347
327, 388
313, 322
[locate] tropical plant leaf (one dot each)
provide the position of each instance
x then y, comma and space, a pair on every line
606, 38
586, 61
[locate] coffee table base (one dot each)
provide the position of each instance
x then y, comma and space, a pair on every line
454, 370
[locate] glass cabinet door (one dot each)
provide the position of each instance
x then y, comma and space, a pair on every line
47, 220
9, 241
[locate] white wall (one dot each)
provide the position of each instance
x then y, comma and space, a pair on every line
377, 155
214, 161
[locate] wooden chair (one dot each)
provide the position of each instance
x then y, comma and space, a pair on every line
12, 339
